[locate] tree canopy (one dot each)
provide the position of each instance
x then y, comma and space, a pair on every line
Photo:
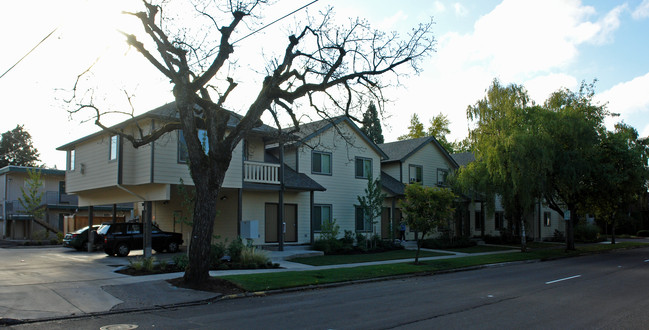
438, 128
427, 208
16, 148
372, 124
559, 153
331, 67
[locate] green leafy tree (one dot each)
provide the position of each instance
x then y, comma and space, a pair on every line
508, 143
573, 129
622, 174
328, 65
31, 199
426, 208
415, 130
372, 124
16, 148
372, 202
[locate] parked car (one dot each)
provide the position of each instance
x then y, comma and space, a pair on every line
79, 239
121, 238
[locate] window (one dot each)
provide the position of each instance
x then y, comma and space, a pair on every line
321, 162
182, 144
441, 176
112, 155
547, 219
499, 220
71, 160
363, 168
415, 173
321, 215
363, 222
478, 220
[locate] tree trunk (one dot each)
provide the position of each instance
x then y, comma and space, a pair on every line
523, 238
613, 231
570, 233
198, 269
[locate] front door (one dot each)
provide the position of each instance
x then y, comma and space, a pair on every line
385, 223
290, 220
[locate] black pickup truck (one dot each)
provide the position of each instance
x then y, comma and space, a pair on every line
121, 238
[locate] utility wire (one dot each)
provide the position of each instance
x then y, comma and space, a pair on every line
22, 58
277, 20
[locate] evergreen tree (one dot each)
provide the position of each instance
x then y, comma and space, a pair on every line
372, 124
16, 148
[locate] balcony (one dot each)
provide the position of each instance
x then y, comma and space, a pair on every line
259, 172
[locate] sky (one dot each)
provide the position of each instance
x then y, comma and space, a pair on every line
543, 45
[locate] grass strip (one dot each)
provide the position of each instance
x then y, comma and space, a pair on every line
481, 249
367, 257
290, 279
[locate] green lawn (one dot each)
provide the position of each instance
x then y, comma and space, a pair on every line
279, 280
368, 257
481, 249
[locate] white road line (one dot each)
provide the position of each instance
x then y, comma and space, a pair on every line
563, 279
646, 260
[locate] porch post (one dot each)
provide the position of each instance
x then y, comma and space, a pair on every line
91, 234
114, 213
239, 210
280, 208
392, 213
311, 200
147, 228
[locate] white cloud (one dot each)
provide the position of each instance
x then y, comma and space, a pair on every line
642, 11
539, 88
440, 8
460, 10
608, 24
390, 22
628, 98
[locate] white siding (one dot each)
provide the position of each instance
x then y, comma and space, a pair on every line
392, 169
92, 160
343, 188
430, 158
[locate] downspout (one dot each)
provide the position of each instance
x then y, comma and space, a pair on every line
4, 211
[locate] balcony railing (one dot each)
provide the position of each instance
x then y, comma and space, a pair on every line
259, 172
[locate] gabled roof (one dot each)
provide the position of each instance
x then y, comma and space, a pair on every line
23, 169
311, 130
392, 185
399, 151
164, 113
464, 158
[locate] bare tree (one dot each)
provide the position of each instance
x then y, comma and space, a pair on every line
331, 66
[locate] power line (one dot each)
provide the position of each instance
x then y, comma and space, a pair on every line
277, 20
22, 58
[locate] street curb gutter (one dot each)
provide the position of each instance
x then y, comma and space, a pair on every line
9, 322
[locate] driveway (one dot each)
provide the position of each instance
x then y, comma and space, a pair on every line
55, 281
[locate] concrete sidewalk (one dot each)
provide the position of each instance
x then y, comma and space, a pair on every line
101, 290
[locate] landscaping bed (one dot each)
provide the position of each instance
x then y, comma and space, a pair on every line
365, 257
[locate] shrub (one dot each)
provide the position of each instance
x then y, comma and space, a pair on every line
252, 257
181, 261
59, 237
643, 233
348, 238
217, 251
330, 230
234, 249
361, 241
586, 233
146, 264
328, 246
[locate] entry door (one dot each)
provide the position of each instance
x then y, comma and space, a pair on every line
290, 218
385, 223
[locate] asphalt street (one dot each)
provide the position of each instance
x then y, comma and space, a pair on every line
602, 291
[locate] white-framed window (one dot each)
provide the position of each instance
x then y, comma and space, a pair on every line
182, 145
363, 168
415, 173
547, 219
71, 159
499, 220
321, 215
363, 221
321, 162
441, 176
112, 150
